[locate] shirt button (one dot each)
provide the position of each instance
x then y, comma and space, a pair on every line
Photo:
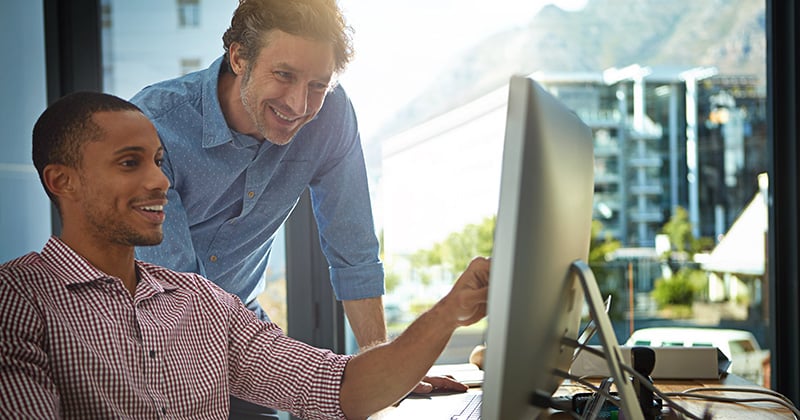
164, 410
213, 258
251, 194
152, 354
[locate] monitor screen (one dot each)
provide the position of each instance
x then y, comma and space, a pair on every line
543, 225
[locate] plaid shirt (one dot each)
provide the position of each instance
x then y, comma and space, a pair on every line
74, 343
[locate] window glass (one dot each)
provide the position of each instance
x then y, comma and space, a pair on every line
675, 95
189, 65
188, 13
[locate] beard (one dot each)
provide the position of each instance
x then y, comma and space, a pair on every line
109, 225
249, 106
118, 232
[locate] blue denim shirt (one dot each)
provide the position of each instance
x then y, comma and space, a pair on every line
230, 192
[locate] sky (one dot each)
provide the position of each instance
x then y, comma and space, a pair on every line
401, 46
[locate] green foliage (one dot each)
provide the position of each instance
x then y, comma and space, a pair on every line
681, 238
684, 286
390, 280
381, 245
679, 230
455, 252
680, 289
459, 248
601, 247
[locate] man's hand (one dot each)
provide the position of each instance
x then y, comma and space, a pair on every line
439, 383
408, 357
466, 301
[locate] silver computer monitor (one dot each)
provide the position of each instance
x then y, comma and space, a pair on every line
543, 225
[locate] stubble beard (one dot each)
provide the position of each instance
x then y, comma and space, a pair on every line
111, 227
253, 112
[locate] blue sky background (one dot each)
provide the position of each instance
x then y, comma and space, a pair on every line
401, 46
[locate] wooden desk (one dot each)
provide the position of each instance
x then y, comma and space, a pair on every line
718, 410
433, 407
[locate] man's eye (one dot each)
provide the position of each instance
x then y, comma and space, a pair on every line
159, 162
283, 75
130, 162
319, 87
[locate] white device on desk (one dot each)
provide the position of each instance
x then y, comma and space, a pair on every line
538, 284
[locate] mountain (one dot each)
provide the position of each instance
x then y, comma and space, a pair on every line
727, 34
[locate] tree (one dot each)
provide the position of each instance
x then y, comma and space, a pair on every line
681, 238
680, 288
601, 247
455, 252
459, 248
608, 277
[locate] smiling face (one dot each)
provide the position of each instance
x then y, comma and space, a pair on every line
284, 87
120, 189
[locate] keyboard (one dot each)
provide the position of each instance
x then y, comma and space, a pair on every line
469, 408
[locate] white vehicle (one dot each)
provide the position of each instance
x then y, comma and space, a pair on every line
740, 346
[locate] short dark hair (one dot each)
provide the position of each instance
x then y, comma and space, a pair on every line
66, 125
320, 20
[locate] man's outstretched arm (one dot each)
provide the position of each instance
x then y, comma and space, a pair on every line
383, 374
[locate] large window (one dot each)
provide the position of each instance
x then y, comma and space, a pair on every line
188, 13
676, 95
679, 116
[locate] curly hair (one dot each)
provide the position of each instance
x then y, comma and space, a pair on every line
320, 20
65, 126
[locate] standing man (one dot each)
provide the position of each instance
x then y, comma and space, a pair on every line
244, 138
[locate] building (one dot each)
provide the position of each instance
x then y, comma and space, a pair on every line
663, 138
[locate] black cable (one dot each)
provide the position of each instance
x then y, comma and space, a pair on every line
694, 392
613, 399
776, 398
766, 391
666, 399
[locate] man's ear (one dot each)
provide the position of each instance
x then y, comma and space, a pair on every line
60, 180
235, 58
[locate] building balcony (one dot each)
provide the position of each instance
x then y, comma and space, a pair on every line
651, 215
610, 200
606, 150
605, 178
645, 162
646, 189
600, 119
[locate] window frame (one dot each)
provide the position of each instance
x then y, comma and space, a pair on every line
782, 240
73, 36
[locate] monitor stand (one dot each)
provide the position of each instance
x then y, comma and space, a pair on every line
629, 402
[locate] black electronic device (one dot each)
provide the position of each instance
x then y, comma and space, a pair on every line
643, 360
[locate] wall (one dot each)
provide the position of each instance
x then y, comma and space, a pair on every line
24, 207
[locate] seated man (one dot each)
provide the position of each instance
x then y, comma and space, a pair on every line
87, 331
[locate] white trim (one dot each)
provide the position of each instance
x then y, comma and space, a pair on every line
17, 167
